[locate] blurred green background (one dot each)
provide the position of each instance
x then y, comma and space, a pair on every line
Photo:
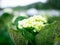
50, 8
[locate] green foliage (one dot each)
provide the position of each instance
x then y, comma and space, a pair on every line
28, 36
4, 36
46, 36
17, 37
54, 4
52, 19
6, 18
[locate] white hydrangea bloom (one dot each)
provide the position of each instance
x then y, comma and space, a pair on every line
20, 24
36, 22
40, 18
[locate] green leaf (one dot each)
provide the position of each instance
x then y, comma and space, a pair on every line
17, 37
46, 36
28, 36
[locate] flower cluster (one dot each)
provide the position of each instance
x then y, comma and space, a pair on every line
37, 22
